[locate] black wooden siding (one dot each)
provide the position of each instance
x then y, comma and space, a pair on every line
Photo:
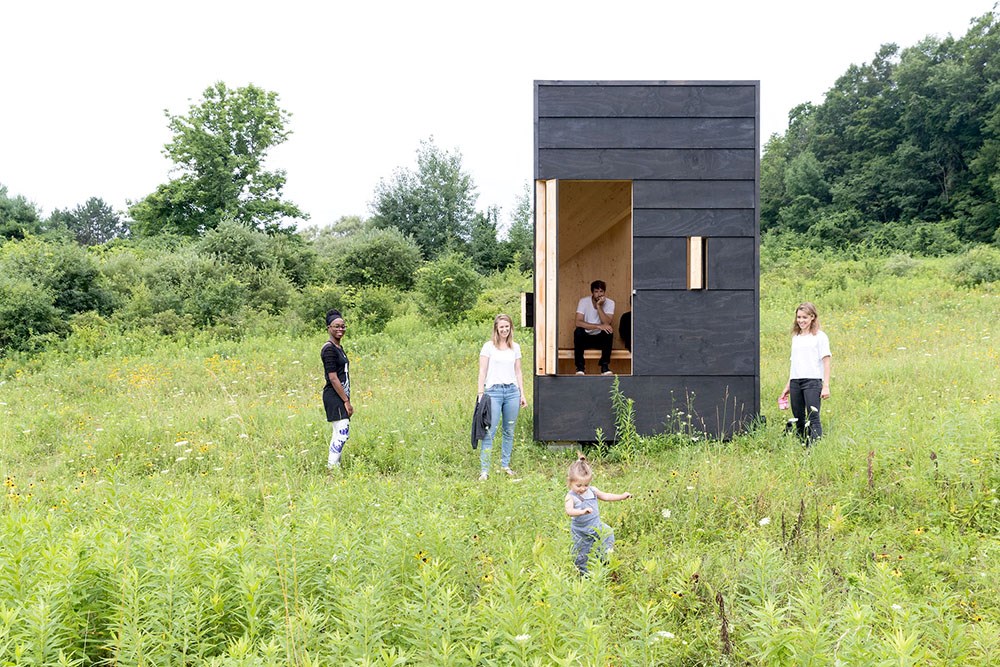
691, 151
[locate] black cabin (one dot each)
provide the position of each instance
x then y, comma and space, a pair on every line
652, 187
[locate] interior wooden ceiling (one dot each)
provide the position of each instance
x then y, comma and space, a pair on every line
587, 210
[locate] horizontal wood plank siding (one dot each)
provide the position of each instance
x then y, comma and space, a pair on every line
693, 194
693, 222
660, 263
647, 163
694, 332
731, 264
646, 133
573, 408
657, 101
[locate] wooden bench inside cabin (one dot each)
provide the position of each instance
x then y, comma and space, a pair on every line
567, 353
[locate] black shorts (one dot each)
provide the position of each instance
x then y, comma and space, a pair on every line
335, 408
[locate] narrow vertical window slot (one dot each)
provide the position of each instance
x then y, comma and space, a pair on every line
697, 277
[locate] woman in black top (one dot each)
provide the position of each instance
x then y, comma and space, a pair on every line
337, 392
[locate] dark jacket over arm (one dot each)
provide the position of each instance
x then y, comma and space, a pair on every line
481, 419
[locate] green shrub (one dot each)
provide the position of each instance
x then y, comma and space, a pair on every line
270, 290
236, 244
372, 307
313, 301
212, 297
294, 256
501, 294
123, 269
932, 239
977, 266
67, 270
378, 257
26, 310
448, 287
900, 264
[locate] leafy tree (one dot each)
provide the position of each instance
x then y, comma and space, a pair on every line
908, 140
92, 223
434, 204
521, 234
18, 216
220, 147
485, 250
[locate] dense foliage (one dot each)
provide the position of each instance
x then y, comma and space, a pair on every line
166, 501
904, 152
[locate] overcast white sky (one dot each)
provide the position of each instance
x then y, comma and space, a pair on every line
85, 83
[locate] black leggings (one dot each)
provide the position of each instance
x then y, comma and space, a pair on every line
804, 395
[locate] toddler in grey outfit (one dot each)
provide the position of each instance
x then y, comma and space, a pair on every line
581, 504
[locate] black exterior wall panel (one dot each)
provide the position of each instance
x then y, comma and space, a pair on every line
659, 264
646, 133
693, 194
659, 101
573, 408
647, 163
731, 264
694, 332
693, 222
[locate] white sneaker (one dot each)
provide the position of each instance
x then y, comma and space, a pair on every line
580, 373
510, 473
483, 477
606, 373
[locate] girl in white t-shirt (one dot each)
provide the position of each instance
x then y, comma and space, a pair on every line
500, 380
809, 379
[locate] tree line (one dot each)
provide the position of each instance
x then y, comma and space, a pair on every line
218, 243
903, 152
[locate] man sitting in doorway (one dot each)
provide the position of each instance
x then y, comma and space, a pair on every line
593, 327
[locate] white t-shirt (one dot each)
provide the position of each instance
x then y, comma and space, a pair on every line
589, 312
500, 369
808, 351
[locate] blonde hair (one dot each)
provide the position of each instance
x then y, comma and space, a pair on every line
579, 469
810, 310
509, 340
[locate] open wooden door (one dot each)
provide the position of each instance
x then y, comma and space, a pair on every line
546, 274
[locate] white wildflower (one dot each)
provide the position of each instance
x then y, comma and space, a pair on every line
522, 638
665, 513
766, 520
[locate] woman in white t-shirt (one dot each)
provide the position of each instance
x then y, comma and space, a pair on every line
809, 379
500, 380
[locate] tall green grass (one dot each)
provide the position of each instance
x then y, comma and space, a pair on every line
167, 503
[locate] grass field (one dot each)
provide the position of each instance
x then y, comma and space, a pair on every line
167, 503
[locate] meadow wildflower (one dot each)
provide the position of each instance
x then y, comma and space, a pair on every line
766, 520
665, 513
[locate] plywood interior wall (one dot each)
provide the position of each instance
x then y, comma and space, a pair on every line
594, 243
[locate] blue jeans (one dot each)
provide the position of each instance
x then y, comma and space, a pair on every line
505, 403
